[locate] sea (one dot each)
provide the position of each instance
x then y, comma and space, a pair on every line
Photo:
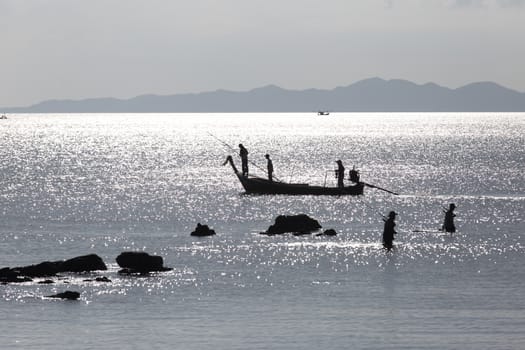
77, 184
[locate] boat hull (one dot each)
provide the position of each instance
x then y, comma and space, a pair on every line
257, 185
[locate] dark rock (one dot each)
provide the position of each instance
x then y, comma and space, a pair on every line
46, 282
69, 295
98, 279
140, 262
329, 232
202, 231
298, 224
91, 262
44, 269
102, 279
84, 263
8, 275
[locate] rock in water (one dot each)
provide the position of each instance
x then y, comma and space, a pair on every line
8, 275
300, 224
329, 232
202, 231
69, 295
91, 262
140, 262
83, 263
46, 268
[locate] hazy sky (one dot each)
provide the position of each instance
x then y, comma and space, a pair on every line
55, 49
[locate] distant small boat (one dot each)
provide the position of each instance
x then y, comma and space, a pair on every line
323, 113
258, 185
3, 116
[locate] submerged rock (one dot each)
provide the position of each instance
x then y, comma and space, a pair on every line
202, 231
98, 279
329, 232
296, 224
46, 282
69, 295
140, 262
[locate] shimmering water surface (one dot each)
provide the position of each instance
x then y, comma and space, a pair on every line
103, 184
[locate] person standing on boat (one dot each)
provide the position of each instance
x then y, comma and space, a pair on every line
340, 174
388, 231
448, 225
269, 165
243, 152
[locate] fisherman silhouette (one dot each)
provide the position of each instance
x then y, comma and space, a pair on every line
269, 166
448, 224
243, 152
340, 174
388, 231
353, 175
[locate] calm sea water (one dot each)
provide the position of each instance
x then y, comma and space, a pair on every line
103, 184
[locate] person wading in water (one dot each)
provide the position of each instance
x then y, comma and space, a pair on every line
448, 224
388, 231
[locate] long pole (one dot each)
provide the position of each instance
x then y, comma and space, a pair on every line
380, 188
234, 150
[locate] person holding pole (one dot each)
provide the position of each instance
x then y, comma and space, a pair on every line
269, 166
243, 153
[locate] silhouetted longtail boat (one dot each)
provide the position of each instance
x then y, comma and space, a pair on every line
258, 185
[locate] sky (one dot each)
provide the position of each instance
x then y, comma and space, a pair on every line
72, 49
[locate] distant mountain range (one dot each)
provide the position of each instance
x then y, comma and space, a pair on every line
370, 95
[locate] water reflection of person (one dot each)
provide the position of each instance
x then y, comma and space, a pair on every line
388, 231
243, 153
448, 224
269, 166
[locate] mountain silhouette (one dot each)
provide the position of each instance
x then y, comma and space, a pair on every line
369, 95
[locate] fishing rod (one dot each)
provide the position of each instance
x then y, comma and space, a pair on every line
372, 208
234, 150
380, 188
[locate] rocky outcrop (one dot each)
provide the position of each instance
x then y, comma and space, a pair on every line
91, 262
85, 263
140, 262
202, 231
46, 268
296, 224
7, 275
69, 295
